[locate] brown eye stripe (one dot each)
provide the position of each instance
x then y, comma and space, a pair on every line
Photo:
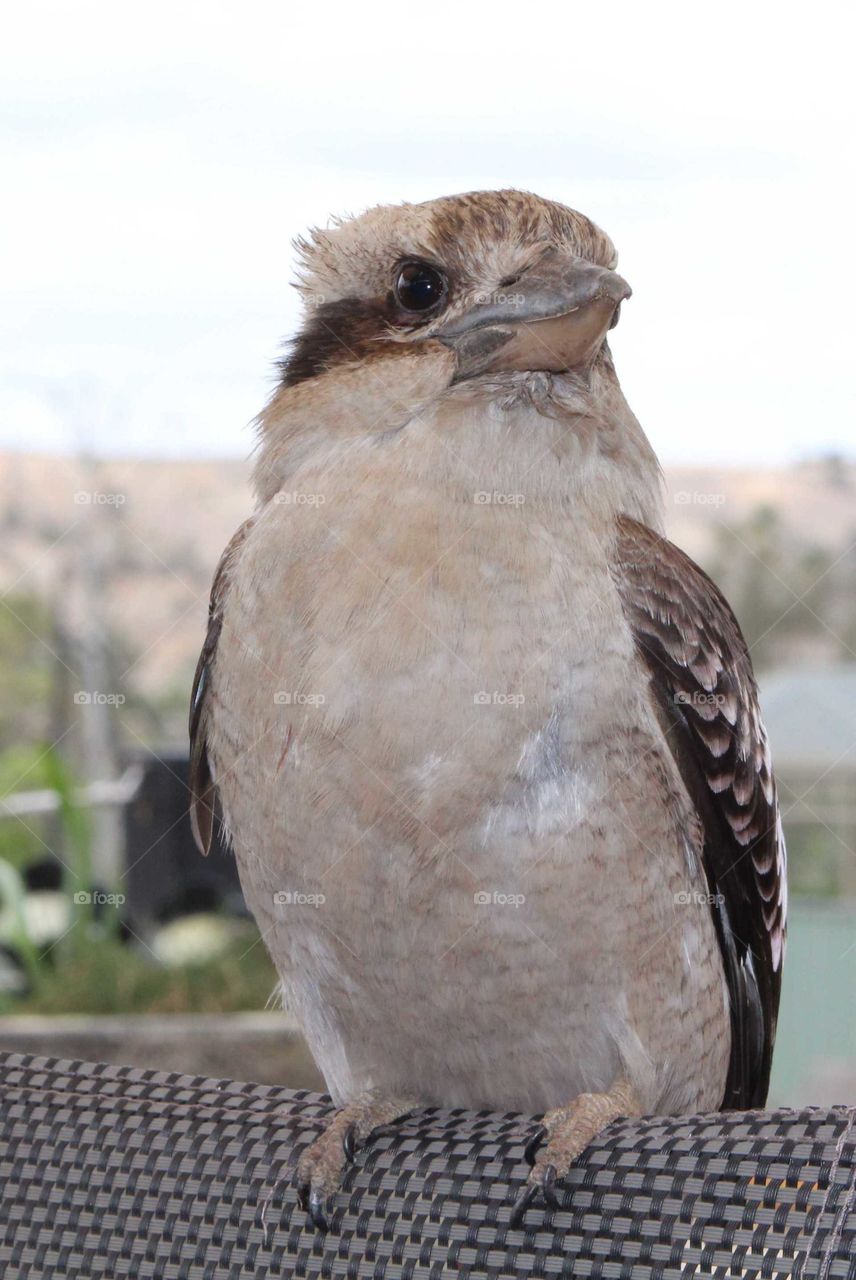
335, 333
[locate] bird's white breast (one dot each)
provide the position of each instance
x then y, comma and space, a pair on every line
455, 816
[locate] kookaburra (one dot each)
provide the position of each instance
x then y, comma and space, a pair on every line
487, 745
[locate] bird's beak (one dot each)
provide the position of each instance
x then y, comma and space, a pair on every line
554, 317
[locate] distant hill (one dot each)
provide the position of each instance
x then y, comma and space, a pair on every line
816, 500
150, 533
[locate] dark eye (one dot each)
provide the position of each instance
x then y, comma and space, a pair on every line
419, 287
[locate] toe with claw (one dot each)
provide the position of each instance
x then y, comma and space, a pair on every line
534, 1142
321, 1166
560, 1140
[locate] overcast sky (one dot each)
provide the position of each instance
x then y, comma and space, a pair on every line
158, 159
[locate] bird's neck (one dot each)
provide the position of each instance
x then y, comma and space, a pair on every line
543, 440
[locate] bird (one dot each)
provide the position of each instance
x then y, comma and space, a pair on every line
486, 744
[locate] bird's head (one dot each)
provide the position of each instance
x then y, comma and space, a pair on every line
423, 313
504, 280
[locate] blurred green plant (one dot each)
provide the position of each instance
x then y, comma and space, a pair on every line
14, 932
112, 977
76, 881
90, 968
72, 828
25, 767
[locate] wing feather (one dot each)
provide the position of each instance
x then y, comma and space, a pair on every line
705, 695
202, 785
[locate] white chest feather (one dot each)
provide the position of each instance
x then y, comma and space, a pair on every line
453, 811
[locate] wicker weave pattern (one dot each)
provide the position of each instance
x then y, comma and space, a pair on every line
111, 1171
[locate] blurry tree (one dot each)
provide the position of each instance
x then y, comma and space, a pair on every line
843, 600
27, 683
785, 592
26, 671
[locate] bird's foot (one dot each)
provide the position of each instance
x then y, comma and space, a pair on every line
563, 1136
322, 1164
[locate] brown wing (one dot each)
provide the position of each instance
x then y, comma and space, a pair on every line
203, 791
705, 694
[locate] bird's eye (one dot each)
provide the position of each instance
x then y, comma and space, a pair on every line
419, 287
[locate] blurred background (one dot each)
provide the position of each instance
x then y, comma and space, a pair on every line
157, 162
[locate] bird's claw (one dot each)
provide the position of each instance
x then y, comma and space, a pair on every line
319, 1173
318, 1209
314, 1202
521, 1204
541, 1182
552, 1149
548, 1187
349, 1142
533, 1143
321, 1165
